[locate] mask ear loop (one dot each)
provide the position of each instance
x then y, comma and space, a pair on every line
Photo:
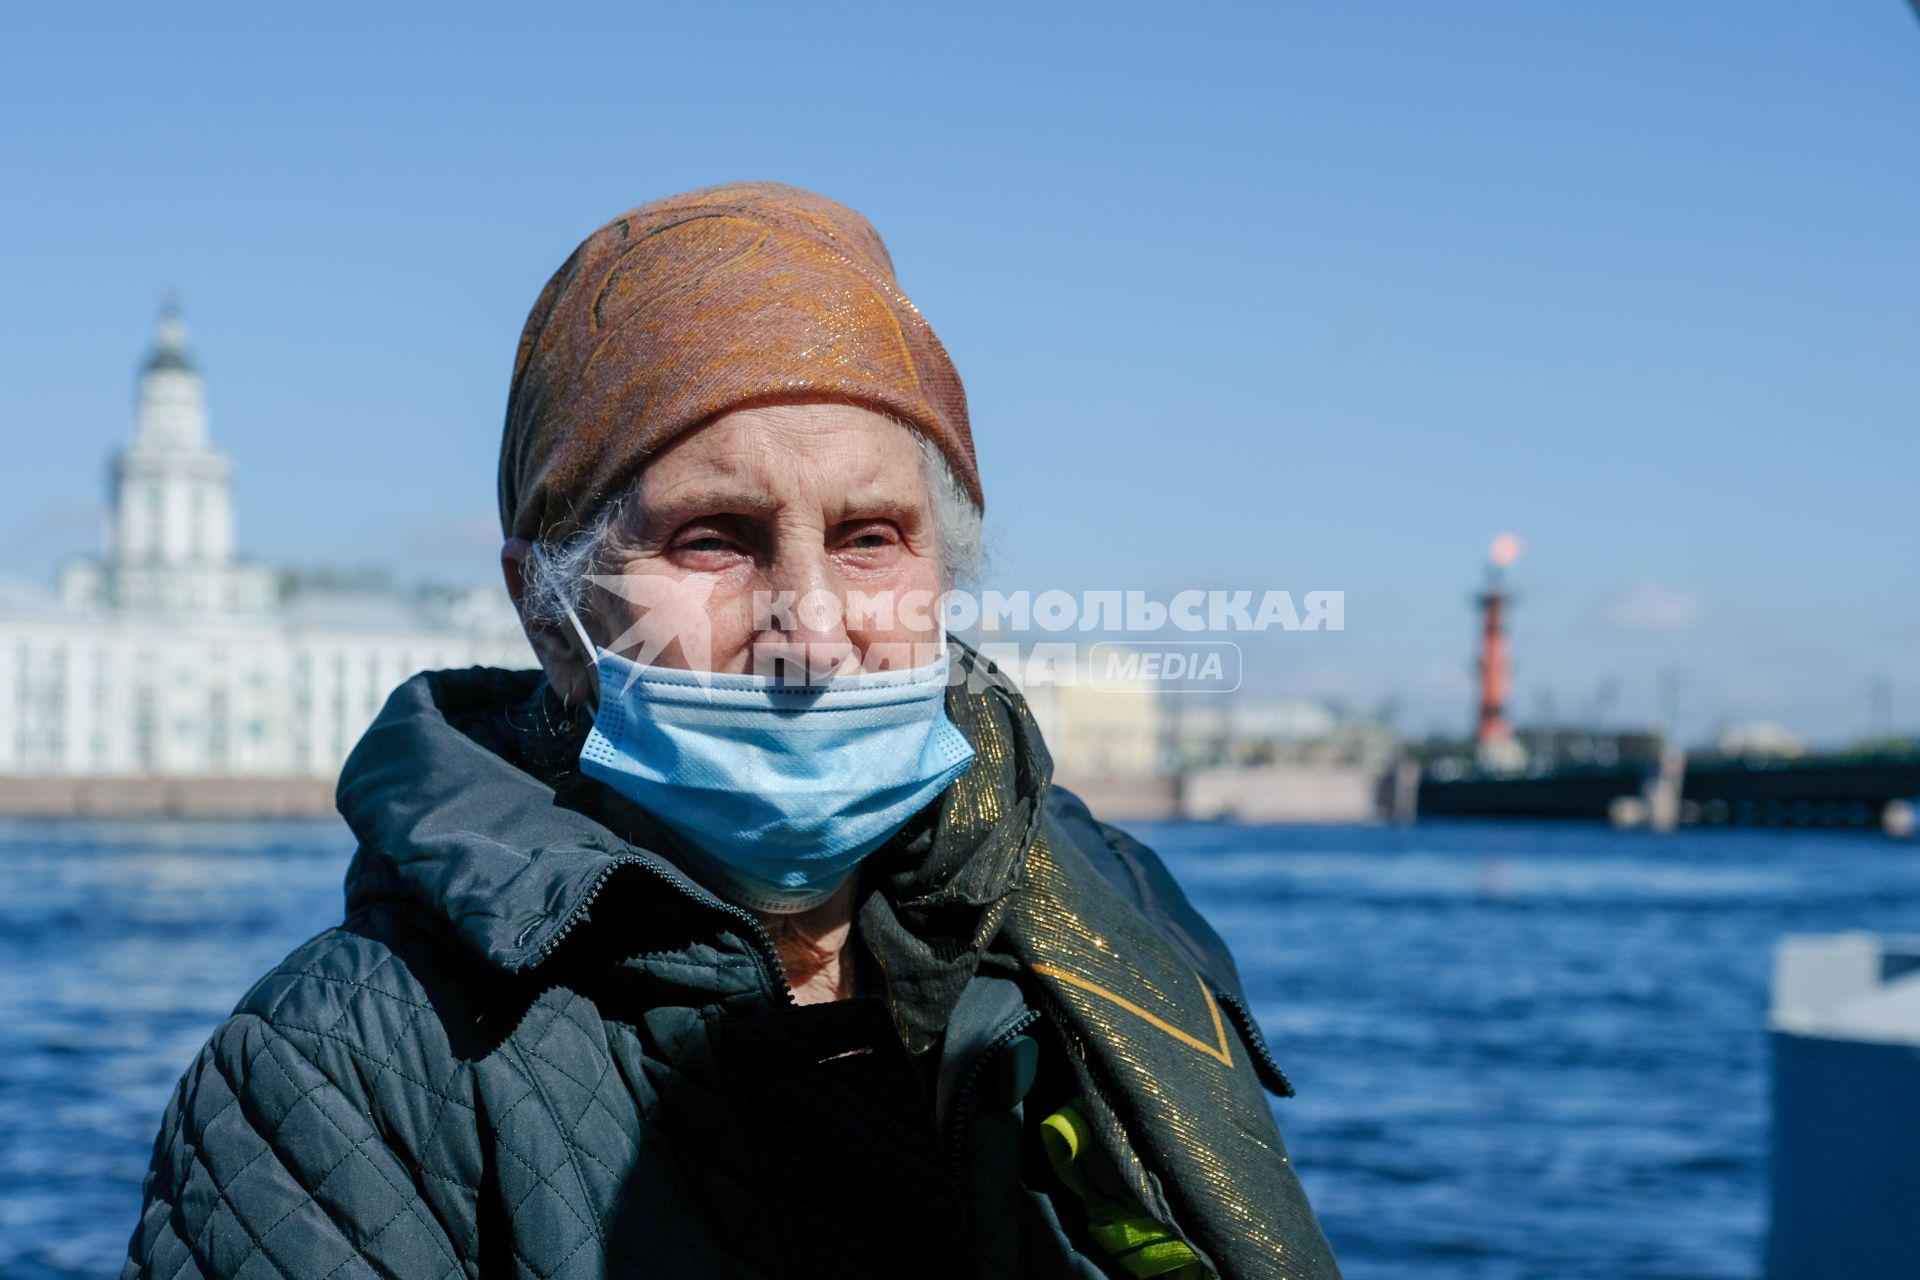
589, 652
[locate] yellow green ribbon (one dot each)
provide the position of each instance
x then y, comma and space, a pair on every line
1116, 1221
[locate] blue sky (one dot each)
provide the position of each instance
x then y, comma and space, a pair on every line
1290, 295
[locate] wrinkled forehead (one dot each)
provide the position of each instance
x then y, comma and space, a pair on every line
837, 459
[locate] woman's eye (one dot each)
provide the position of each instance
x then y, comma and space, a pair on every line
703, 540
870, 538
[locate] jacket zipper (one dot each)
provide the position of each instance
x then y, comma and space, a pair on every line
963, 1111
1257, 1043
765, 955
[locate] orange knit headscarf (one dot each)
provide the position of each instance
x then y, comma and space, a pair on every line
681, 309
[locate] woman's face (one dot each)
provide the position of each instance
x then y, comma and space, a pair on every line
777, 540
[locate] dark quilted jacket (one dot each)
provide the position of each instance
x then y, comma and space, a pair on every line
535, 1048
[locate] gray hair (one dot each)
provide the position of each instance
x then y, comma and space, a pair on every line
557, 580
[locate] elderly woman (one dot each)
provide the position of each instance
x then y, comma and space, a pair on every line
747, 936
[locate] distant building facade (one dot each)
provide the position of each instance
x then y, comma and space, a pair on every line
1093, 728
169, 656
1236, 732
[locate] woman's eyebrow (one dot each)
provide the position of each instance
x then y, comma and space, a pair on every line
696, 500
876, 506
683, 504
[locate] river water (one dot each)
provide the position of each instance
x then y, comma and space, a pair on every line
1521, 1050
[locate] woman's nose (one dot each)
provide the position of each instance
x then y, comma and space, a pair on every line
803, 634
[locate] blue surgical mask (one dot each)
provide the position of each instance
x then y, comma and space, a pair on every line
777, 790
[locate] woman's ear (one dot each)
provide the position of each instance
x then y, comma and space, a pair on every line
555, 646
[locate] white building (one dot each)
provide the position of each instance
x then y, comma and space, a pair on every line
1095, 726
169, 657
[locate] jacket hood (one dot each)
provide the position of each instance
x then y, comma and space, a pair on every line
467, 802
454, 813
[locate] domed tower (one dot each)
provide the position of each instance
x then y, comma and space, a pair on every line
170, 531
172, 494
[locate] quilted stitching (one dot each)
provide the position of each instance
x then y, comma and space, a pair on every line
273, 1171
330, 1129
